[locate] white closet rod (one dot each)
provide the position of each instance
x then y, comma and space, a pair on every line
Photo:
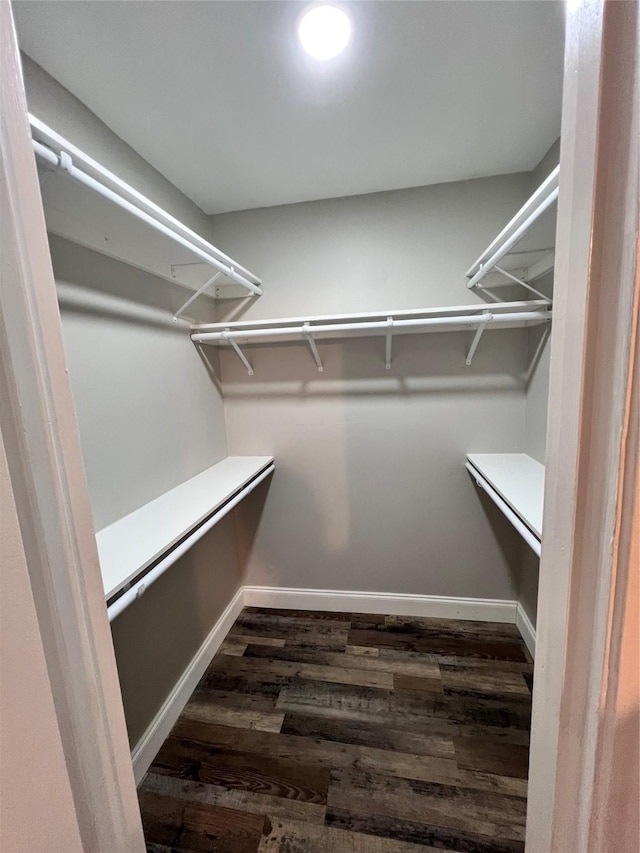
64, 161
135, 591
504, 507
510, 243
432, 323
529, 213
54, 140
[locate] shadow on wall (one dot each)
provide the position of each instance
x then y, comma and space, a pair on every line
517, 554
370, 491
100, 275
233, 310
248, 517
157, 636
421, 364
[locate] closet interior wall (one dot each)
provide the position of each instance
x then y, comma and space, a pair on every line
372, 492
537, 395
150, 412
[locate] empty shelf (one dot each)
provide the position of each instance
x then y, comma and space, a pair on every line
136, 541
518, 480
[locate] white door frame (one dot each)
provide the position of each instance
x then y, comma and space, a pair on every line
589, 464
37, 420
591, 461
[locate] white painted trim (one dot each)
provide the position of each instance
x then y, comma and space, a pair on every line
396, 604
527, 631
579, 797
158, 730
44, 459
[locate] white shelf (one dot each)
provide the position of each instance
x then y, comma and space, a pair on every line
84, 202
519, 481
134, 542
447, 319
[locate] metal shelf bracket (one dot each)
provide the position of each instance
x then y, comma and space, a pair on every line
238, 351
191, 299
389, 341
487, 317
312, 346
521, 281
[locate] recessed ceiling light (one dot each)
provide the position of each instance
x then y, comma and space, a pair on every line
324, 31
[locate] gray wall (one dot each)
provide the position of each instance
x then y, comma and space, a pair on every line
150, 413
64, 113
401, 250
546, 165
371, 492
157, 637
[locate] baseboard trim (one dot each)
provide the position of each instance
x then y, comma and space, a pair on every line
524, 625
147, 747
396, 604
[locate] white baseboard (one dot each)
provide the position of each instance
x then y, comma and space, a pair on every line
145, 750
527, 630
395, 604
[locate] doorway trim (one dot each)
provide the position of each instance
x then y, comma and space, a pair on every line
39, 431
591, 465
585, 560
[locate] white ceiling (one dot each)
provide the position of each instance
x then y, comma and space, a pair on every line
220, 98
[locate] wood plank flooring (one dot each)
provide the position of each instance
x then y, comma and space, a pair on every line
347, 733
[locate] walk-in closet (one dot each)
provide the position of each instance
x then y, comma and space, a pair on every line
304, 262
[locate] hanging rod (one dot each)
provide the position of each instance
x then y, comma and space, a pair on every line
529, 213
137, 589
532, 541
374, 326
157, 218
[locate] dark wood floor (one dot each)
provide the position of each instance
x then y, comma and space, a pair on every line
317, 732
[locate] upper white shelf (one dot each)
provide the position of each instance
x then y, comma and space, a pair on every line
478, 318
148, 238
134, 542
532, 260
519, 480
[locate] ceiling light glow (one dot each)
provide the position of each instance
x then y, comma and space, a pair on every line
324, 31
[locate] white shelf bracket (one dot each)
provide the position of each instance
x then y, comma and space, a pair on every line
389, 341
487, 317
191, 299
239, 353
523, 283
312, 346
542, 199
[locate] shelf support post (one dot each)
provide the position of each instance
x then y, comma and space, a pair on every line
192, 298
238, 351
389, 336
313, 347
487, 317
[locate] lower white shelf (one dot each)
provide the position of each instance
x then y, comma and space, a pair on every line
133, 543
515, 482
